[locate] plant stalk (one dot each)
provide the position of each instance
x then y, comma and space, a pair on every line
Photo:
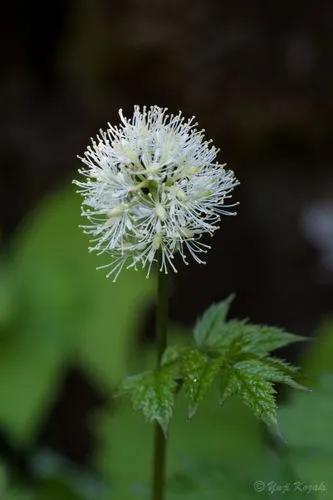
158, 492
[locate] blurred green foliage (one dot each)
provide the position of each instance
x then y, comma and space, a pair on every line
57, 311
65, 313
318, 359
307, 422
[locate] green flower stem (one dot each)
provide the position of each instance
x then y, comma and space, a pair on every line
158, 492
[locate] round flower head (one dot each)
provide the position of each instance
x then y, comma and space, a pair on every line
152, 186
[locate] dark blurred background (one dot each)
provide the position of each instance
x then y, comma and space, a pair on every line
257, 75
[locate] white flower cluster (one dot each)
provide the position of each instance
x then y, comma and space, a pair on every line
152, 186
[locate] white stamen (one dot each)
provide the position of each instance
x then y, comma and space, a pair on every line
151, 185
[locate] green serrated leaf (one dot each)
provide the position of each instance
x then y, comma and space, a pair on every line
231, 333
271, 369
259, 339
289, 372
256, 392
208, 328
172, 354
152, 394
282, 365
198, 373
229, 384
